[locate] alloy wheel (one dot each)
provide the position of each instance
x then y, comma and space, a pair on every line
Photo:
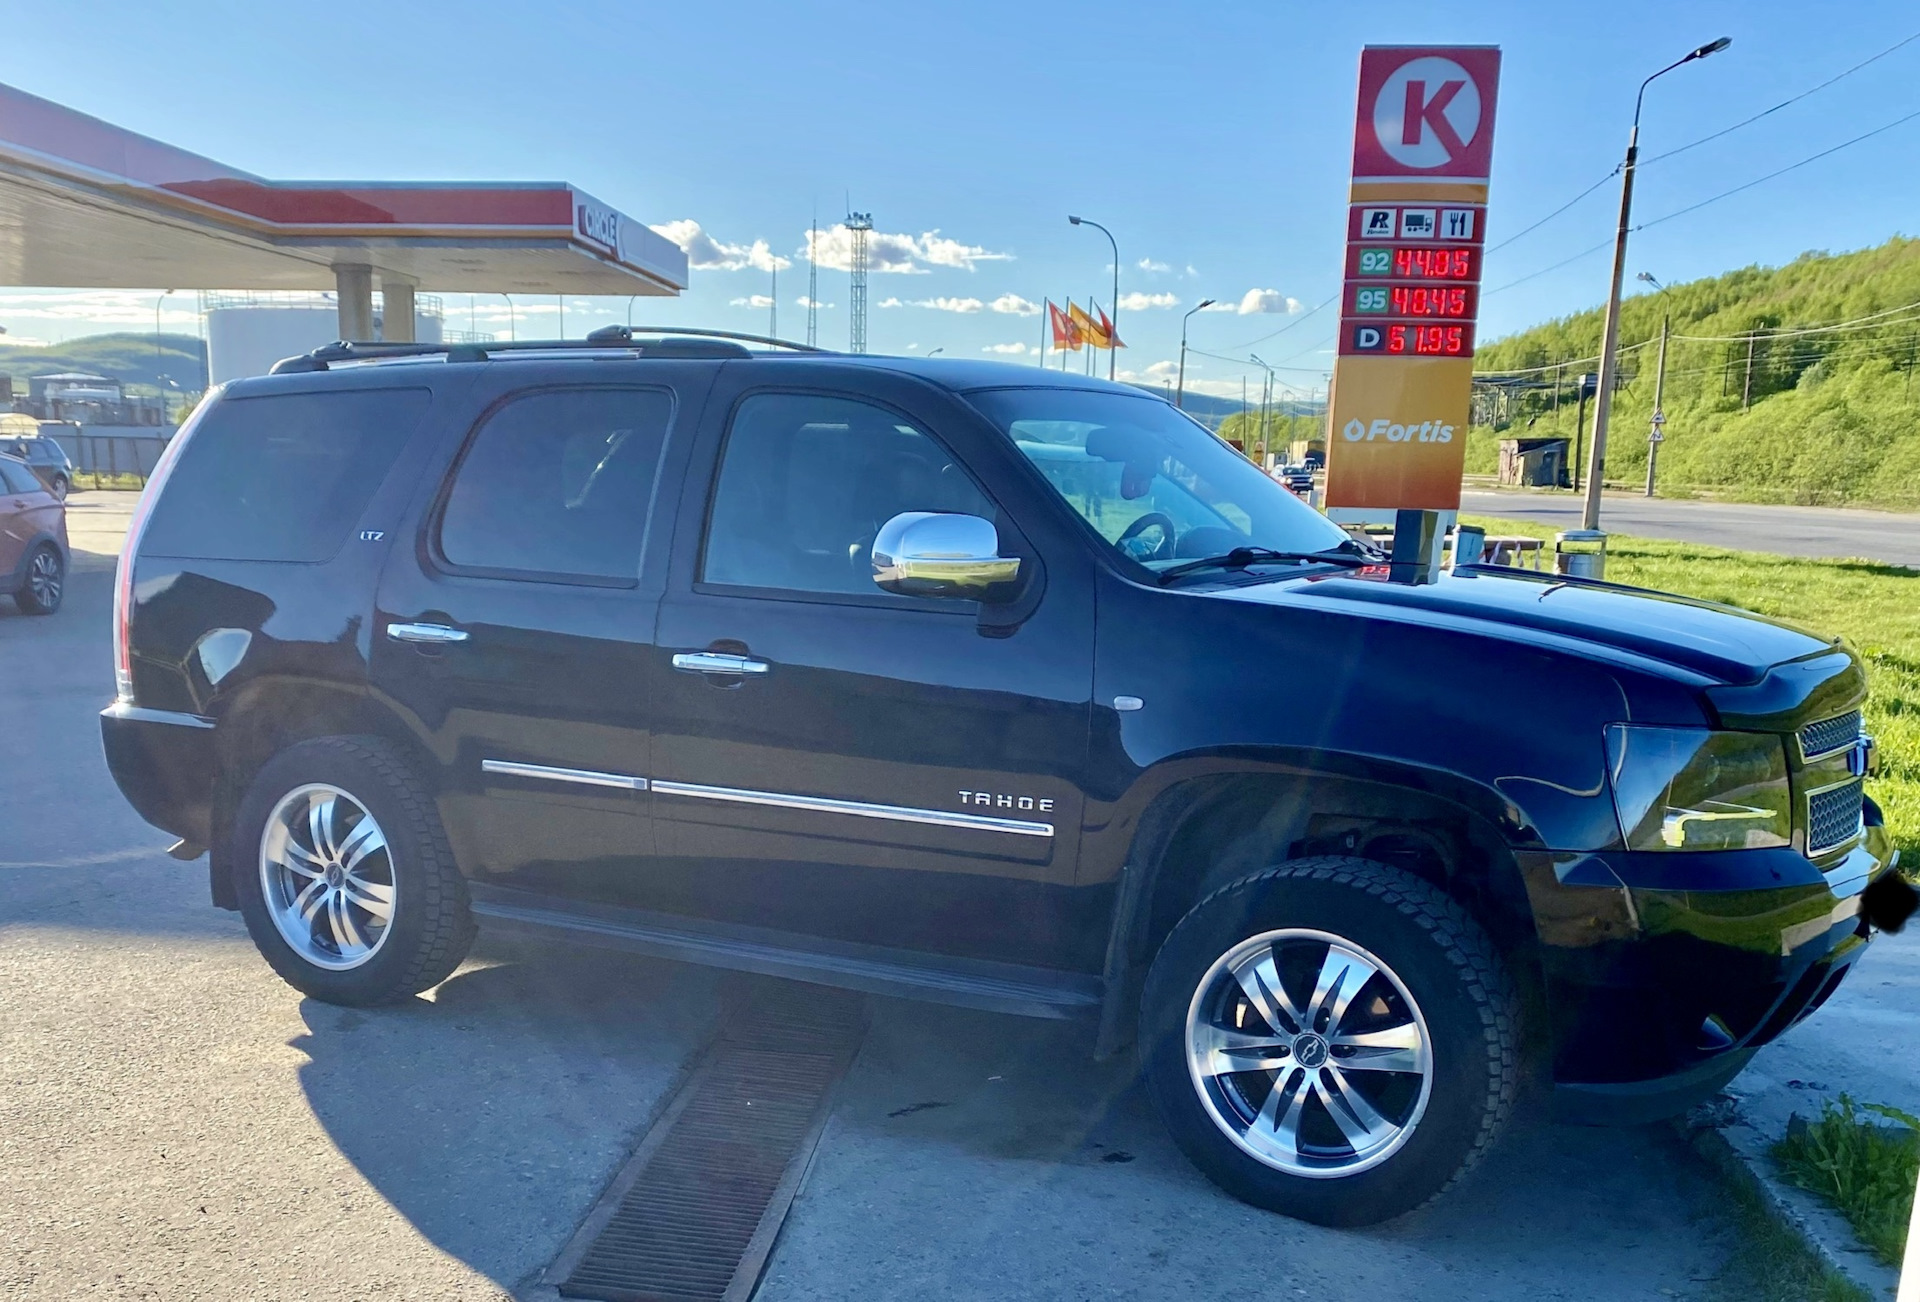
44, 579
1309, 1053
327, 875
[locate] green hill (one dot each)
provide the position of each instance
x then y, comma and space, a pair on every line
138, 361
1827, 417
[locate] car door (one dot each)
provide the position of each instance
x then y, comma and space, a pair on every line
27, 510
514, 633
834, 759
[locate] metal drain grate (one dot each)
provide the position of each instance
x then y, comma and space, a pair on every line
693, 1215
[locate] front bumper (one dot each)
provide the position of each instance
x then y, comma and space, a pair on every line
164, 763
1665, 973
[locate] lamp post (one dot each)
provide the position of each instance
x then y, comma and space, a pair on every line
941, 349
1610, 336
156, 328
1180, 395
1266, 395
1113, 352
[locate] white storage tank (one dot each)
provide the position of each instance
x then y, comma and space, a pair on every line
247, 333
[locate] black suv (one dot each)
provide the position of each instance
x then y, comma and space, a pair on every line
945, 679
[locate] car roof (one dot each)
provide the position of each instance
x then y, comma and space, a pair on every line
956, 374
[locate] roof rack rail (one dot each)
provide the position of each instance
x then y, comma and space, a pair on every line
654, 341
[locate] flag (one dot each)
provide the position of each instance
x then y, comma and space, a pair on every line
1066, 335
1089, 329
1106, 328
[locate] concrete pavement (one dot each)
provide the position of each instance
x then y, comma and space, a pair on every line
1793, 530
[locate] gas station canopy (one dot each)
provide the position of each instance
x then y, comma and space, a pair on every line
84, 203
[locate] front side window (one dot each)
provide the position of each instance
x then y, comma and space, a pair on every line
559, 485
1155, 486
805, 483
16, 478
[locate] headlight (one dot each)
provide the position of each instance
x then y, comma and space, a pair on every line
1694, 789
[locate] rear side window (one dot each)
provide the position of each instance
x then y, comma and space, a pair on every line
558, 485
283, 477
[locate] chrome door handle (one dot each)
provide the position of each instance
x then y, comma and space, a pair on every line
430, 634
715, 662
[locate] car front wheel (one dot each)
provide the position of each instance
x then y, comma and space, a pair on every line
344, 875
45, 582
1331, 1038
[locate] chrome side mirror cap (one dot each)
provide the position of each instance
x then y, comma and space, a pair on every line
935, 554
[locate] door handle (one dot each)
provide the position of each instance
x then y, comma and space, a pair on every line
429, 634
716, 662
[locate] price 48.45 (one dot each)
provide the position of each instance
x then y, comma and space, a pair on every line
1430, 340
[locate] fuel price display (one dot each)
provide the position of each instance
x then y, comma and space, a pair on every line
1401, 263
1455, 302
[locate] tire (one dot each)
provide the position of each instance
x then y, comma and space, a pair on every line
295, 841
1439, 1008
43, 583
60, 488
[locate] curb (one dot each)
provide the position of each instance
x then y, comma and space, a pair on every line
1739, 1153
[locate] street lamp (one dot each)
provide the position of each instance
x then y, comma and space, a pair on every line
1115, 319
941, 349
1265, 395
1180, 397
1656, 426
1610, 336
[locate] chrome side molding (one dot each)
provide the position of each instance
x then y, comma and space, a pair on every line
856, 808
547, 773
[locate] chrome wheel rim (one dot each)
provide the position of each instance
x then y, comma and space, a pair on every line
43, 578
327, 876
1309, 1053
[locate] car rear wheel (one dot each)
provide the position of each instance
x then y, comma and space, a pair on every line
1332, 1038
45, 581
344, 874
60, 487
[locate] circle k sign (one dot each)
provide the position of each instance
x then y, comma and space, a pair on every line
1425, 112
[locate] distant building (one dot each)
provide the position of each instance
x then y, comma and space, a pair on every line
248, 333
1533, 463
78, 398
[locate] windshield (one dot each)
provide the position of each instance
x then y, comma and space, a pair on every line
1158, 488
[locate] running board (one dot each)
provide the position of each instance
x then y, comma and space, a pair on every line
968, 983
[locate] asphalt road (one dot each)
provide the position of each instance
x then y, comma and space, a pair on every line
1793, 530
176, 1123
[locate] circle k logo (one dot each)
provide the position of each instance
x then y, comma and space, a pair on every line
1425, 431
1427, 112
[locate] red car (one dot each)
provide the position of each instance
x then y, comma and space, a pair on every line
33, 539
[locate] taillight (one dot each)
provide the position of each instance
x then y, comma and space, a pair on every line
123, 575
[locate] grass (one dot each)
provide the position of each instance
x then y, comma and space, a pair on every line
1772, 1264
1864, 1168
1875, 607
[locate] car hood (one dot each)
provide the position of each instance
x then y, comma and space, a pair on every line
1717, 641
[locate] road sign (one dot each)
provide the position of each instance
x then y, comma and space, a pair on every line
1416, 229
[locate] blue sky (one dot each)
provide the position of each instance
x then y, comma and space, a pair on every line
1214, 140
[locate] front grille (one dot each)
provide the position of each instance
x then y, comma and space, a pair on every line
1829, 735
1833, 816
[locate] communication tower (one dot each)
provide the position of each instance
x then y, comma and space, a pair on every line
813, 283
860, 224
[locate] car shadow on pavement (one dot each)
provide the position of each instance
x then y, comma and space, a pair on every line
969, 1154
492, 1112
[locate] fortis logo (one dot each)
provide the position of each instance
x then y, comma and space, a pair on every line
1426, 431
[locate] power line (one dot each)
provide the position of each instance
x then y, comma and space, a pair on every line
1783, 103
1557, 211
1555, 267
1291, 324
1868, 322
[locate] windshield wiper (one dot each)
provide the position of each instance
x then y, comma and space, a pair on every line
1241, 557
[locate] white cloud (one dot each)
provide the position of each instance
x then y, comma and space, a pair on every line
889, 302
889, 252
1011, 350
1268, 300
962, 305
1148, 264
752, 300
1163, 370
705, 253
1135, 301
1014, 305
1192, 270
1218, 306
804, 301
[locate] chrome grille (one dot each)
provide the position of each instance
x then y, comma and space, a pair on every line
1829, 735
1833, 816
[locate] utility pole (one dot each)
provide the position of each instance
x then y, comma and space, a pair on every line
1746, 386
773, 305
813, 281
1659, 421
1610, 334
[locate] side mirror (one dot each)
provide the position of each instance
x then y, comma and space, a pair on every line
933, 554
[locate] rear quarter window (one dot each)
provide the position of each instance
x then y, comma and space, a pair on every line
281, 477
